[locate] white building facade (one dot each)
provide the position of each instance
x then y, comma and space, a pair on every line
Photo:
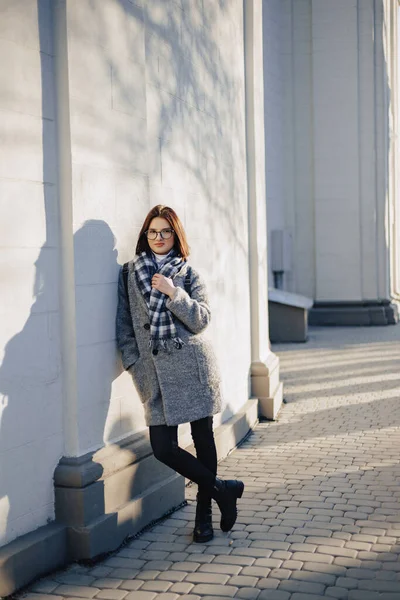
331, 142
109, 108
245, 117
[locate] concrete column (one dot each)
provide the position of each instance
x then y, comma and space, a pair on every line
265, 383
396, 158
66, 277
392, 59
353, 91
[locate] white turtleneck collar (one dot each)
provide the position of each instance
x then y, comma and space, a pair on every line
161, 257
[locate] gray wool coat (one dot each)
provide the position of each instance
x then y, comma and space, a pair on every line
181, 385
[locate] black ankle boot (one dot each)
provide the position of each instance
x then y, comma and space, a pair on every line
225, 493
203, 529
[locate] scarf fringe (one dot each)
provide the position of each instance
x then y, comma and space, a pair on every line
163, 343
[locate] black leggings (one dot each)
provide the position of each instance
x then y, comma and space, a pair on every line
203, 469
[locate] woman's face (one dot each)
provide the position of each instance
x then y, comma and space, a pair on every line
160, 246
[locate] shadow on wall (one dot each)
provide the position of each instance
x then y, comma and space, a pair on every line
30, 370
175, 115
29, 384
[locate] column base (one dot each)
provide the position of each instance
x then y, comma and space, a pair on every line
266, 386
31, 556
379, 312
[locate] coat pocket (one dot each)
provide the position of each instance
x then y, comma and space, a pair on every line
207, 364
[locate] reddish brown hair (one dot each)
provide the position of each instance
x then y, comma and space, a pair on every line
180, 244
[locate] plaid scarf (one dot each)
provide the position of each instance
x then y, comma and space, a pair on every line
162, 326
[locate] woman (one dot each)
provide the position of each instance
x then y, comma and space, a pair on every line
160, 319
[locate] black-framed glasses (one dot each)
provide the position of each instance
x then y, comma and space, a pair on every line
165, 234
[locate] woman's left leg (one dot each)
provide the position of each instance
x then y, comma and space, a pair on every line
204, 443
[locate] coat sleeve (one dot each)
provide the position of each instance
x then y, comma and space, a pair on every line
125, 335
193, 310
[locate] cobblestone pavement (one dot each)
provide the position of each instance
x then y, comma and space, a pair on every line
320, 516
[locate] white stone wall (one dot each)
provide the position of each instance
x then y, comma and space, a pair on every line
157, 116
31, 433
154, 93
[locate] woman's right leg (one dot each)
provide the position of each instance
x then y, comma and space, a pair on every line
164, 442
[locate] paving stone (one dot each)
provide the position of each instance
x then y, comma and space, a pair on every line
252, 552
174, 576
156, 586
211, 578
306, 596
124, 573
380, 585
391, 566
304, 547
130, 553
273, 595
347, 582
161, 565
243, 581
343, 561
112, 594
374, 565
45, 586
43, 596
337, 592
295, 539
220, 568
333, 551
100, 571
314, 577
268, 583
177, 556
360, 573
388, 557
208, 589
201, 558
387, 575
77, 591
219, 550
358, 546
141, 595
182, 587
248, 593
280, 554
324, 568
234, 560
129, 585
309, 557
270, 545
305, 587
363, 595
292, 564
74, 579
185, 566
124, 563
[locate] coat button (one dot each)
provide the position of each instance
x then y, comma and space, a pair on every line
155, 352
146, 325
